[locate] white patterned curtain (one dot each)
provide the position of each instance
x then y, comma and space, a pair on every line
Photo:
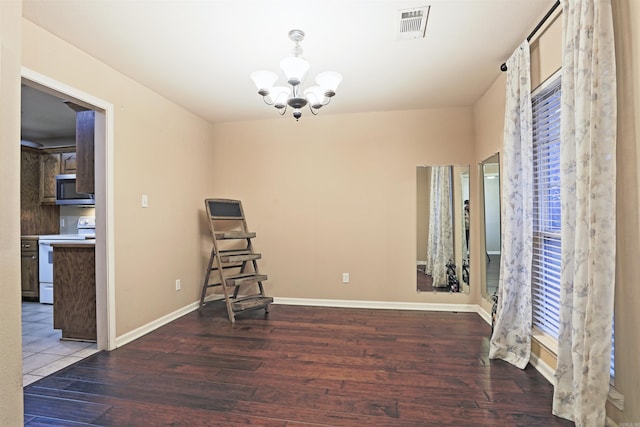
511, 338
440, 239
588, 189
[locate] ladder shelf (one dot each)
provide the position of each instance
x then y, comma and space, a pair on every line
233, 262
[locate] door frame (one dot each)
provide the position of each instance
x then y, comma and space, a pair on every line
104, 183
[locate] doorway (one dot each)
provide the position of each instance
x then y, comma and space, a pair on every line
103, 155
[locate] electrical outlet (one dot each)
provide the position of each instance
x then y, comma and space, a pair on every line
144, 201
345, 277
178, 284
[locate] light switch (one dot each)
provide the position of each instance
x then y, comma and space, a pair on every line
145, 201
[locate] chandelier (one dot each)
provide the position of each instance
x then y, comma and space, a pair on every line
295, 69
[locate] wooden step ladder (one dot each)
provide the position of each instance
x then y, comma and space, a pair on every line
233, 263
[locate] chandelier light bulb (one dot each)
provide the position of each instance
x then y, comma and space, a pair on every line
329, 81
315, 96
264, 81
279, 96
295, 68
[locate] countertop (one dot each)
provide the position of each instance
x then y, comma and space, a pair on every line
88, 243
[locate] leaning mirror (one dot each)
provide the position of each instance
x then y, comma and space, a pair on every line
490, 181
442, 195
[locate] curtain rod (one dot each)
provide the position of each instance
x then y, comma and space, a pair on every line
503, 67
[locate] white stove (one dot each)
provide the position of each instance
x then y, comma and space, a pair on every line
58, 237
86, 230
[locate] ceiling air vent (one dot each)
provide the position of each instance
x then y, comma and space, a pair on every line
412, 23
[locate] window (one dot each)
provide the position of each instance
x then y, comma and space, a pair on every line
547, 225
545, 286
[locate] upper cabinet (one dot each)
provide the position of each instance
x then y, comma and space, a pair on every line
85, 136
76, 160
35, 217
49, 168
54, 162
68, 163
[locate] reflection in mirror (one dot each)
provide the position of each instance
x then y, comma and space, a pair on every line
491, 201
442, 228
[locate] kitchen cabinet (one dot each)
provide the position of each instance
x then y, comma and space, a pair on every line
85, 140
35, 217
74, 290
49, 168
54, 162
68, 163
29, 267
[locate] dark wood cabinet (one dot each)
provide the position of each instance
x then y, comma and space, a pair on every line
35, 217
85, 140
29, 268
49, 168
68, 163
74, 290
78, 160
55, 162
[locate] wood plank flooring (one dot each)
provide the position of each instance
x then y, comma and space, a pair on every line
311, 366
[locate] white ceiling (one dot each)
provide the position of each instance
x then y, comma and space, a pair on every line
199, 54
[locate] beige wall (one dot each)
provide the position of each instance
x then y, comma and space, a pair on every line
627, 315
488, 123
10, 329
334, 194
160, 150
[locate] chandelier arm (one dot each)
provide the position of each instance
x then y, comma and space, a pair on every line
281, 111
314, 111
264, 98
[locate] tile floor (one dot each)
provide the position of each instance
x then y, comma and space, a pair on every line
42, 350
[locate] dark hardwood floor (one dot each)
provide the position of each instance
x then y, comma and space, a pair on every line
309, 366
424, 282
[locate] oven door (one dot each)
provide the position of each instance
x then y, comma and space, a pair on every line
45, 265
45, 255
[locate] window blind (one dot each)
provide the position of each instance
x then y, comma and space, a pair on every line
547, 221
612, 364
545, 286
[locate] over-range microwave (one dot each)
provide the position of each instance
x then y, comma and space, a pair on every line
66, 193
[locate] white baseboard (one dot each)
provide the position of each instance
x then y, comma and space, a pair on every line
483, 313
383, 305
151, 326
541, 366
